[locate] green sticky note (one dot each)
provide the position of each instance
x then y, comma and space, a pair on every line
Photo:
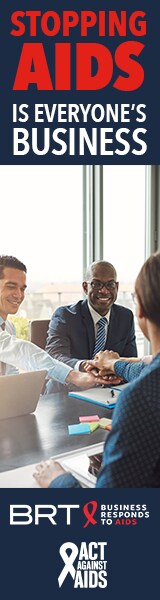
93, 426
105, 423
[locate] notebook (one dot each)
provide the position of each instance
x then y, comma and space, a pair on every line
106, 397
19, 394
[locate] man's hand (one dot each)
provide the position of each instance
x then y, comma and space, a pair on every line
100, 360
89, 366
110, 379
105, 372
83, 365
46, 472
107, 376
105, 355
84, 380
105, 361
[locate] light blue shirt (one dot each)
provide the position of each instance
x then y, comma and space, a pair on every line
28, 357
8, 369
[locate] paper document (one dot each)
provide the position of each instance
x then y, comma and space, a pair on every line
98, 395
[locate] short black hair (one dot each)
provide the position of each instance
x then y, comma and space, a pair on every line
12, 263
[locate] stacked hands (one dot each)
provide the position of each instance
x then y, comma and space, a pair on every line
99, 371
102, 367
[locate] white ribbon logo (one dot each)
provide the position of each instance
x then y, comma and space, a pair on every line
68, 560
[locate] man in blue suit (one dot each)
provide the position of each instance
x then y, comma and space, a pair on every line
131, 455
78, 331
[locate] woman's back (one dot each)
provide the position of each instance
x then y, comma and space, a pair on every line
132, 450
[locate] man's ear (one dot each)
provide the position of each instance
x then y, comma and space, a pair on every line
85, 287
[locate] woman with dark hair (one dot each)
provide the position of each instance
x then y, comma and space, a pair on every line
131, 455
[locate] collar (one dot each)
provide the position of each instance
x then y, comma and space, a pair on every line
1, 320
96, 316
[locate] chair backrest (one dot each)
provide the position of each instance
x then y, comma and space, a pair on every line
38, 332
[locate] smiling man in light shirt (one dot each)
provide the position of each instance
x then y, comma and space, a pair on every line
12, 291
19, 354
78, 331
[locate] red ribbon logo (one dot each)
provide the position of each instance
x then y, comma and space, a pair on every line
90, 512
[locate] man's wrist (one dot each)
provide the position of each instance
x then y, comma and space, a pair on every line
116, 363
82, 365
71, 376
112, 364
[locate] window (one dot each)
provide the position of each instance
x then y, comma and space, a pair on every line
124, 229
42, 212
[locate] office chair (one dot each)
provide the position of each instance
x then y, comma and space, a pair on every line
38, 335
38, 332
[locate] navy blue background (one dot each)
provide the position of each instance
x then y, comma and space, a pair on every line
30, 561
147, 94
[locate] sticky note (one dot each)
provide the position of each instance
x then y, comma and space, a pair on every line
89, 418
105, 423
93, 426
78, 428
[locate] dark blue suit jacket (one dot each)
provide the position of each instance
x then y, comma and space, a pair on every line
71, 333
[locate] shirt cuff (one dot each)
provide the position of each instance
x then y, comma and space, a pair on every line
77, 365
119, 367
59, 372
65, 481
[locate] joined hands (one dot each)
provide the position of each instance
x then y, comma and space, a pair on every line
103, 366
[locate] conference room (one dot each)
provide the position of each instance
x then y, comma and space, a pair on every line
90, 213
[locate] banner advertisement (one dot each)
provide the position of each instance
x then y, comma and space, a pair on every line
57, 541
79, 87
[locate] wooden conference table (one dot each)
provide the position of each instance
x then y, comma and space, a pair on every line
32, 438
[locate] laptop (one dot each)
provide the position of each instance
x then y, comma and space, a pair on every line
19, 394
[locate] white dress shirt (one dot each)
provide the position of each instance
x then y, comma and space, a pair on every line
25, 355
6, 369
95, 317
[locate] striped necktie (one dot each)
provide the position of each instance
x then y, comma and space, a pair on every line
101, 336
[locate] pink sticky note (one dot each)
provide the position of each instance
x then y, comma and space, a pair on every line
89, 418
